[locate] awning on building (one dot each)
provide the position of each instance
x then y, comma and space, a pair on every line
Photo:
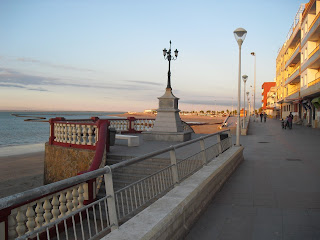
292, 100
316, 102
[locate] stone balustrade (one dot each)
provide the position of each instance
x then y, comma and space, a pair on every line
69, 133
38, 213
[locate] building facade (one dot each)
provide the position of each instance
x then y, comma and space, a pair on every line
298, 67
266, 93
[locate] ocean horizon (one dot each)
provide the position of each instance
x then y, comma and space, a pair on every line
18, 136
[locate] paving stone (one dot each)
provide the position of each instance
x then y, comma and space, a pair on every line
275, 192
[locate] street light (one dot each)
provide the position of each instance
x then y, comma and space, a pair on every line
244, 78
167, 55
248, 102
254, 88
240, 35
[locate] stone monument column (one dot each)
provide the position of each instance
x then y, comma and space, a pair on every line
168, 125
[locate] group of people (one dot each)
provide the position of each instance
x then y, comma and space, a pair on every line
287, 122
263, 115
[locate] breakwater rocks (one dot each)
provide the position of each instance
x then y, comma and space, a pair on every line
31, 118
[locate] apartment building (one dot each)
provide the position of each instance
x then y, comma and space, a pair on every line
298, 67
272, 107
266, 87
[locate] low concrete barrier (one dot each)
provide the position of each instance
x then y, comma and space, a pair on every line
172, 215
244, 131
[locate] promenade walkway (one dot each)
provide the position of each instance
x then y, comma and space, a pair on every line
275, 192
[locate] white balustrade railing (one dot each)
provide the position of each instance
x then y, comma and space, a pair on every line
120, 125
143, 124
39, 213
75, 133
53, 209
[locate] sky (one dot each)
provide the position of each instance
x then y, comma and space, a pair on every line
107, 55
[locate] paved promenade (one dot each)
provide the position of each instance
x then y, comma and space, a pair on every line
275, 192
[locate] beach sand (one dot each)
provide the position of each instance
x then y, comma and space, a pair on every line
19, 173
22, 172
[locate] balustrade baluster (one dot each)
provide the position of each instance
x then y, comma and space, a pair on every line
57, 134
47, 211
55, 131
65, 132
63, 208
74, 134
96, 133
75, 201
39, 219
30, 215
55, 208
11, 227
90, 134
84, 134
69, 201
138, 125
78, 134
21, 227
69, 134
81, 198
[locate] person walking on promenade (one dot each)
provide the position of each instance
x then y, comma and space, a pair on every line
265, 117
261, 116
290, 118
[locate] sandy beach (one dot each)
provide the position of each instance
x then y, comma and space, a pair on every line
22, 172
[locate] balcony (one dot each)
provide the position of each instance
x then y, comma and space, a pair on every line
294, 92
312, 90
294, 76
313, 60
314, 31
294, 57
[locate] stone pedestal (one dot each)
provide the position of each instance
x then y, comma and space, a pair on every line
168, 125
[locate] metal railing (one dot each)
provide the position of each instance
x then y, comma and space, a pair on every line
57, 211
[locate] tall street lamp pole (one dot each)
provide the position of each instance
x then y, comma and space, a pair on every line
254, 86
244, 78
167, 55
240, 35
248, 100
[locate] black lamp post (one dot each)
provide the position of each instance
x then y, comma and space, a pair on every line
167, 55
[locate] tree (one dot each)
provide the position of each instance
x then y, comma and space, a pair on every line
227, 110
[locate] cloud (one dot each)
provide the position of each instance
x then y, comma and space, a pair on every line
12, 77
49, 64
23, 87
144, 82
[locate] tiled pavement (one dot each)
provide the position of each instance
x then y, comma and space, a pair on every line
275, 192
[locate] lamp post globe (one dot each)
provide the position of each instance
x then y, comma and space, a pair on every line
240, 35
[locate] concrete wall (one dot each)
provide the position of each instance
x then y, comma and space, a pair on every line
62, 162
172, 216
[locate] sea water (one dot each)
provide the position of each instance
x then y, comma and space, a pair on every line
18, 136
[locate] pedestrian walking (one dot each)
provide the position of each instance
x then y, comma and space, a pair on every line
290, 118
265, 117
261, 116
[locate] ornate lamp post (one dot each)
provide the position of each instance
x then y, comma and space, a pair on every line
240, 35
244, 78
254, 88
167, 55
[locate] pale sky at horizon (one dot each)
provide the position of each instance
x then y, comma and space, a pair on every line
107, 55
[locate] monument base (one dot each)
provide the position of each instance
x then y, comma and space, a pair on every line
167, 136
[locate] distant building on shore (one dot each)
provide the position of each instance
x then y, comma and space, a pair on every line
298, 68
267, 93
153, 111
